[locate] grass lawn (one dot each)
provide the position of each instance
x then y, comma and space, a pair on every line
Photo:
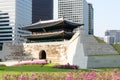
43, 68
33, 68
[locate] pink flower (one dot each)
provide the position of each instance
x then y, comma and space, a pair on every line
69, 76
33, 76
22, 77
116, 77
90, 75
115, 70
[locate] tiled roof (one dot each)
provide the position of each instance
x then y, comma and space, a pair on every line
50, 23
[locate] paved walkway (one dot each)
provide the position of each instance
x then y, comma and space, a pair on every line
12, 62
9, 63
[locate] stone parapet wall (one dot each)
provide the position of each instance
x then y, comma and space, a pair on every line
103, 61
86, 52
11, 51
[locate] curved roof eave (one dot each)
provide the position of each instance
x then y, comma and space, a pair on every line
49, 23
72, 23
42, 24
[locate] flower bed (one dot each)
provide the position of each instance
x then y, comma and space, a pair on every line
41, 62
72, 75
67, 66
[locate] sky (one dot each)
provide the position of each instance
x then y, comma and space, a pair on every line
106, 16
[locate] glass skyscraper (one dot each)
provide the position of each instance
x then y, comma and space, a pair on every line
91, 18
42, 10
76, 11
13, 15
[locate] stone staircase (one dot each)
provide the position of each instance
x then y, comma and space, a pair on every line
92, 47
98, 49
87, 39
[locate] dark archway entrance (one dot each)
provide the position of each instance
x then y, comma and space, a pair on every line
42, 55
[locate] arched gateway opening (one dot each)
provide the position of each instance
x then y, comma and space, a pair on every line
42, 55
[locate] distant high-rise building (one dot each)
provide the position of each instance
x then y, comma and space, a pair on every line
13, 15
109, 39
91, 18
112, 36
42, 10
76, 11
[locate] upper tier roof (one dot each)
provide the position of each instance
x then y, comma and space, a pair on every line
51, 23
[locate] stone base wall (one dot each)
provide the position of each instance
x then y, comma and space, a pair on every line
55, 51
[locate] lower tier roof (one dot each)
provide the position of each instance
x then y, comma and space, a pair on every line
50, 35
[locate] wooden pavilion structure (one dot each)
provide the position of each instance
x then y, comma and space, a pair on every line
51, 30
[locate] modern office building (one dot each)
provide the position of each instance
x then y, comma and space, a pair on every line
112, 36
109, 39
76, 11
5, 29
91, 19
42, 10
13, 15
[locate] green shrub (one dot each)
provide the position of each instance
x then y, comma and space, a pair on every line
116, 47
2, 65
99, 40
